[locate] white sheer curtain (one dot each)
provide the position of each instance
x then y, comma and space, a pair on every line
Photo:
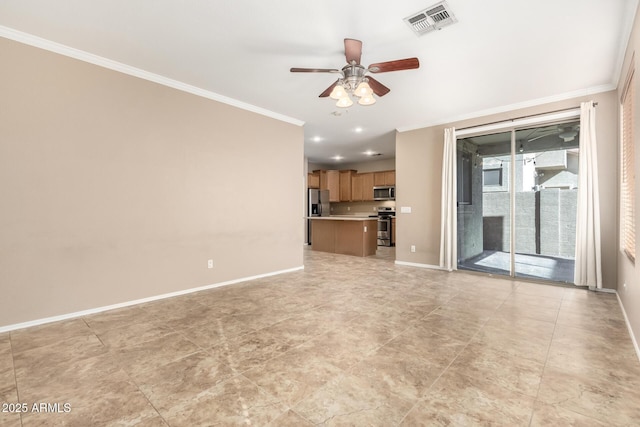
588, 266
448, 244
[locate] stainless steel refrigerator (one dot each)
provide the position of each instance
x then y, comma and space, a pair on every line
318, 206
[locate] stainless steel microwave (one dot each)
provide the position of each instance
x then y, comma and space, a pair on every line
384, 193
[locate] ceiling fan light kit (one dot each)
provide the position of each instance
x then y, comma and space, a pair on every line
353, 80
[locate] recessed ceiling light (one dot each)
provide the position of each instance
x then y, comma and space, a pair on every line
369, 153
337, 157
358, 129
316, 139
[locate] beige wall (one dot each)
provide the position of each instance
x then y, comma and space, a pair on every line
114, 188
419, 168
628, 272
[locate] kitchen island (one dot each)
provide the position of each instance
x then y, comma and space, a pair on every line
347, 235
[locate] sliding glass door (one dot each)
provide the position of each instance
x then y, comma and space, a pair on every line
517, 194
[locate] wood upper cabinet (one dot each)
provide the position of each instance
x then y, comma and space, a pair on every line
362, 187
313, 180
330, 180
345, 185
356, 187
367, 186
333, 185
384, 178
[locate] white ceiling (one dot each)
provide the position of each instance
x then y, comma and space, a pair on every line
499, 55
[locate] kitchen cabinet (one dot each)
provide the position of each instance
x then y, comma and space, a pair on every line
347, 236
345, 185
367, 186
330, 180
384, 178
313, 180
362, 187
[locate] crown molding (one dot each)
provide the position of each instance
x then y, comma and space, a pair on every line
31, 40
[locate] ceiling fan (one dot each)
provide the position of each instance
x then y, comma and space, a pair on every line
566, 133
353, 76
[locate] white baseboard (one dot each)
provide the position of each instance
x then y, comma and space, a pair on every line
626, 319
415, 264
139, 301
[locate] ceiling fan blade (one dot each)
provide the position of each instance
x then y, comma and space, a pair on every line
352, 50
400, 64
377, 87
314, 70
327, 91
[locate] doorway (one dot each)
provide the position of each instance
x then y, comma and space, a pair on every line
517, 201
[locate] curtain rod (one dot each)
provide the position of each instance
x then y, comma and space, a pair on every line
595, 104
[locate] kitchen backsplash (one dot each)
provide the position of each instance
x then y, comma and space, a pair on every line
359, 208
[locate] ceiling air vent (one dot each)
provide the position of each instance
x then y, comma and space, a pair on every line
432, 18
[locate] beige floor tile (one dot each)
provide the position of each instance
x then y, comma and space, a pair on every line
44, 335
290, 419
122, 404
132, 334
343, 348
462, 401
118, 318
248, 351
538, 289
182, 380
513, 310
398, 373
78, 383
236, 401
303, 327
155, 353
10, 419
353, 400
547, 415
523, 300
216, 331
615, 404
575, 347
294, 375
462, 329
57, 356
8, 390
534, 347
495, 366
419, 341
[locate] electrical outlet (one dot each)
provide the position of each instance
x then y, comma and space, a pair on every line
348, 208
210, 263
413, 248
374, 209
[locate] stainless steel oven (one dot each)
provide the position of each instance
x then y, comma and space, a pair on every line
385, 214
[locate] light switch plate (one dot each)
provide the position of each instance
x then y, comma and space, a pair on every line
405, 209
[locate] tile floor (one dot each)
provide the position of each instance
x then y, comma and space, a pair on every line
347, 341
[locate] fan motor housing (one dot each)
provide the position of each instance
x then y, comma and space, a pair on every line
353, 74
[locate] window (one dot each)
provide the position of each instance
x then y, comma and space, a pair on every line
627, 187
492, 177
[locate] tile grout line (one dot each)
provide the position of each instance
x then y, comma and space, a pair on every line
15, 374
546, 359
421, 399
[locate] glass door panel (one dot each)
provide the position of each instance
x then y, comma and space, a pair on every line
484, 206
546, 192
